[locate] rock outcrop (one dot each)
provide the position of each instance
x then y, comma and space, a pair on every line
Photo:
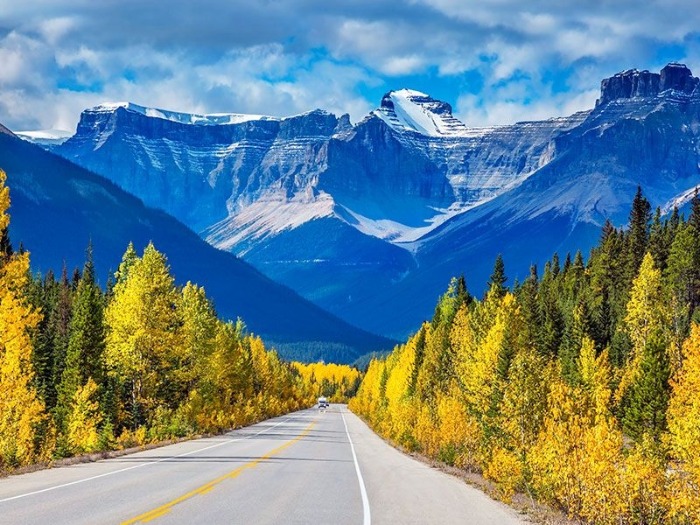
634, 83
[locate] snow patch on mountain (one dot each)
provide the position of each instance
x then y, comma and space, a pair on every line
680, 200
397, 232
212, 119
45, 137
269, 215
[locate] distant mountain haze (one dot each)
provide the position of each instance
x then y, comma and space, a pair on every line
371, 220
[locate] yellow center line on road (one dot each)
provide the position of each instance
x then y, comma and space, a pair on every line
164, 509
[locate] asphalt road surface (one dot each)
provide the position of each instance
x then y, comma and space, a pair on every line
311, 467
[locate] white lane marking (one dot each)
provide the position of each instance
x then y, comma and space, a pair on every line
76, 482
366, 516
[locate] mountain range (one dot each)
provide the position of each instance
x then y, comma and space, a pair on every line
370, 220
58, 208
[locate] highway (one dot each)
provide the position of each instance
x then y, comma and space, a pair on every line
309, 467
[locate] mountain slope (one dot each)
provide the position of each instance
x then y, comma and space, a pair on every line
58, 207
371, 220
311, 200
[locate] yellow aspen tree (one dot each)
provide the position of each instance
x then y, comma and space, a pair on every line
506, 469
644, 389
190, 359
684, 432
426, 431
363, 403
596, 376
645, 482
399, 403
601, 470
263, 378
458, 432
142, 334
647, 318
602, 484
481, 377
558, 452
232, 364
84, 419
21, 411
331, 380
521, 417
578, 460
227, 382
525, 399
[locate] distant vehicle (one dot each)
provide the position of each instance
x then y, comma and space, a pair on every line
323, 402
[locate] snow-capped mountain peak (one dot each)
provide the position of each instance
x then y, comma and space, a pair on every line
212, 119
410, 110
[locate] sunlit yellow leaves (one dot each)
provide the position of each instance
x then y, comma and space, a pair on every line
458, 438
4, 201
506, 469
335, 382
647, 318
84, 419
524, 405
511, 413
684, 429
184, 368
20, 409
141, 325
172, 367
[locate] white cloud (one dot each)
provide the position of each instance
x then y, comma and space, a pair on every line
506, 106
54, 29
262, 79
542, 57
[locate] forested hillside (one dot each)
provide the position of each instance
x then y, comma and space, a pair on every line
338, 383
579, 386
58, 208
82, 370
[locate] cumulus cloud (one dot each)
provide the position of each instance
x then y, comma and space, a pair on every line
280, 57
495, 111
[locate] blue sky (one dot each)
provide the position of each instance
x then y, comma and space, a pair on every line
495, 61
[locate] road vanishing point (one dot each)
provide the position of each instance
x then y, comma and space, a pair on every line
309, 467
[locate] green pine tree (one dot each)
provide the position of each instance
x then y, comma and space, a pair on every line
551, 316
527, 299
658, 240
59, 330
647, 399
417, 361
6, 250
637, 236
497, 281
87, 333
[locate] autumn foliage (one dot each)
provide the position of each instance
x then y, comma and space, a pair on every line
82, 370
580, 388
21, 410
338, 383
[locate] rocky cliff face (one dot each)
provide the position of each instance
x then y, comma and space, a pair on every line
406, 168
633, 83
199, 168
395, 205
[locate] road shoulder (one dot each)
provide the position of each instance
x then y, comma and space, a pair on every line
404, 490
